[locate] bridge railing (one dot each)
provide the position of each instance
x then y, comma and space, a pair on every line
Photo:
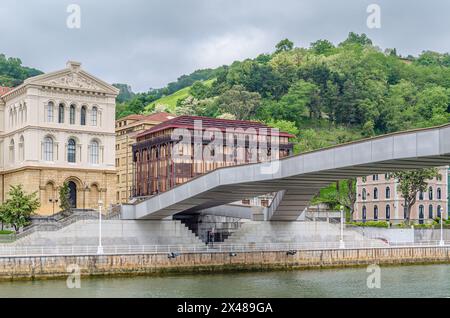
33, 251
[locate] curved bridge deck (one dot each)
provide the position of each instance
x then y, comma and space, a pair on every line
298, 178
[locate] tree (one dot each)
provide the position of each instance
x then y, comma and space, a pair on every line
239, 102
64, 197
410, 183
199, 90
284, 45
340, 193
324, 47
358, 39
19, 207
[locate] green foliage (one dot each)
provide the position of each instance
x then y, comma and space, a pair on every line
341, 193
64, 197
284, 125
284, 45
125, 93
239, 102
12, 73
410, 183
380, 224
19, 207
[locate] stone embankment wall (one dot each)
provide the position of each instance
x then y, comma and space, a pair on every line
57, 266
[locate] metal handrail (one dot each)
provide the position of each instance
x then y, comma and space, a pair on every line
32, 251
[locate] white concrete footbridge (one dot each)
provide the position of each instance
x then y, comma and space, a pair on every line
298, 178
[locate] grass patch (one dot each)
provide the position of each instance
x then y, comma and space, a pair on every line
6, 232
171, 100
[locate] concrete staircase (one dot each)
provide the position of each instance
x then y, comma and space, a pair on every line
293, 233
114, 232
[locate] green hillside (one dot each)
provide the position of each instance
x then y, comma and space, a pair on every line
171, 100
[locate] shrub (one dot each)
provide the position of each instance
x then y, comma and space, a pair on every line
381, 224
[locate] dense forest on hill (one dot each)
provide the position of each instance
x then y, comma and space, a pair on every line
12, 73
326, 94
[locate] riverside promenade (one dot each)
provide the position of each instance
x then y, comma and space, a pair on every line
146, 263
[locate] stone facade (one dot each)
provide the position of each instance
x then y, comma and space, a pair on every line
379, 199
55, 128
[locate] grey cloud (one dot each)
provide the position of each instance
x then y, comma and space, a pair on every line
148, 43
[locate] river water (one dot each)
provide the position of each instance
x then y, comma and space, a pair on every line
405, 281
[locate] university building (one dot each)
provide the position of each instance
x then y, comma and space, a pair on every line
378, 199
159, 165
127, 129
55, 128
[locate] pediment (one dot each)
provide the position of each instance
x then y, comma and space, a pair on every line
75, 79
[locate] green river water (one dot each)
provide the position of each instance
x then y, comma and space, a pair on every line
404, 281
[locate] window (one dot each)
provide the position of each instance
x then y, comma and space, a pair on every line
439, 211
364, 213
72, 114
375, 193
421, 210
364, 179
388, 193
364, 194
430, 193
420, 195
21, 149
439, 193
61, 109
93, 152
386, 176
430, 212
71, 150
375, 213
83, 116
94, 116
11, 151
388, 212
48, 149
50, 107
375, 177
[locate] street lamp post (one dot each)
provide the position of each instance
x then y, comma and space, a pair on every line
341, 242
100, 247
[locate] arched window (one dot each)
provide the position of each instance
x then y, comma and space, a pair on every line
439, 211
364, 194
439, 193
420, 195
430, 193
72, 114
388, 212
375, 213
94, 152
430, 212
375, 193
364, 213
21, 149
71, 150
388, 193
48, 149
61, 109
50, 109
83, 116
94, 114
421, 211
11, 151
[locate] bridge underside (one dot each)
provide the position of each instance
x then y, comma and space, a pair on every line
297, 179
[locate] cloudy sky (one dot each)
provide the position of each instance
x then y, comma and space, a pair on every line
148, 43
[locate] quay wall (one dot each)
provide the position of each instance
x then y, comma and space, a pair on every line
43, 267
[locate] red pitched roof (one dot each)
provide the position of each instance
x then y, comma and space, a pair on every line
4, 90
187, 122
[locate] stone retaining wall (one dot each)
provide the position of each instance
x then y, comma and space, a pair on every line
56, 266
